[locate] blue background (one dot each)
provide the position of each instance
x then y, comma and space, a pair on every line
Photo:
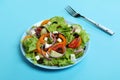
103, 59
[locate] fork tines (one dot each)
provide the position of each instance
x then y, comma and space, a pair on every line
70, 10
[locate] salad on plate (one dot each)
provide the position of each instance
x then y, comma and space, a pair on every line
54, 42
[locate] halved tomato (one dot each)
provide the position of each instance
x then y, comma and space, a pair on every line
75, 43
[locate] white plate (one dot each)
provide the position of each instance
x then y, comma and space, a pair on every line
51, 67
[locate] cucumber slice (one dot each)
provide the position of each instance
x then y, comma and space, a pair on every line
43, 31
55, 54
77, 28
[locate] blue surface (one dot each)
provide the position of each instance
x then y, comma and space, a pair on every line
103, 59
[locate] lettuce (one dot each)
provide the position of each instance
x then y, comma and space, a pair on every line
59, 20
31, 55
84, 36
55, 23
66, 32
29, 44
52, 27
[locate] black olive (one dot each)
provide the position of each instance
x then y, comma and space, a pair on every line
84, 48
71, 27
40, 61
56, 64
42, 26
43, 46
60, 50
58, 26
56, 35
67, 45
36, 53
55, 22
76, 35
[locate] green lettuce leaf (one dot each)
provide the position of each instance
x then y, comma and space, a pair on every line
84, 36
66, 32
31, 55
58, 19
30, 44
56, 22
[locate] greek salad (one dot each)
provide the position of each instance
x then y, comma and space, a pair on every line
55, 42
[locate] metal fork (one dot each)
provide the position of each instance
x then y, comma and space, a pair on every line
73, 13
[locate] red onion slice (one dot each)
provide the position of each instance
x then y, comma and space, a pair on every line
79, 50
53, 38
46, 55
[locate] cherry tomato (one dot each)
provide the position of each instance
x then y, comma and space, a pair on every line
75, 43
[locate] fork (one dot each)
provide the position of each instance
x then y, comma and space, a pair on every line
73, 13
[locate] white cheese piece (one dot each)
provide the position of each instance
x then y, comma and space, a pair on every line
37, 57
32, 32
55, 32
59, 40
77, 30
45, 38
47, 45
73, 58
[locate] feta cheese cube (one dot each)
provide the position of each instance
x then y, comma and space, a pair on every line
37, 57
55, 32
59, 40
45, 38
47, 45
32, 32
77, 30
73, 58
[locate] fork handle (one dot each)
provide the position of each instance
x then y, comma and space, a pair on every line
100, 26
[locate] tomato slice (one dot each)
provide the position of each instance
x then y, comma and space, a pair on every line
75, 43
59, 47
